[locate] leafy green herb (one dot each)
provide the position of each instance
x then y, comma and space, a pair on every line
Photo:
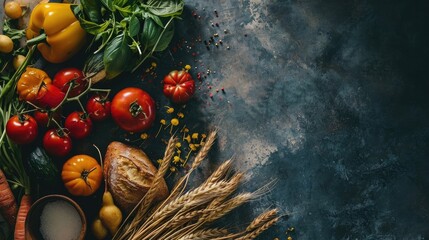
152, 32
94, 28
129, 29
165, 8
108, 4
92, 9
134, 27
14, 34
117, 56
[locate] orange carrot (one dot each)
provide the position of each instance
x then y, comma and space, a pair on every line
8, 207
22, 215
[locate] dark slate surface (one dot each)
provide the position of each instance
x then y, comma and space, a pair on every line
328, 97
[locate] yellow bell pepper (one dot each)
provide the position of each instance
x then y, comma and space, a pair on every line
56, 31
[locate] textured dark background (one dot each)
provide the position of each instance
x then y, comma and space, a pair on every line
331, 98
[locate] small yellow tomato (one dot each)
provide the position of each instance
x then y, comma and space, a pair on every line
13, 10
18, 60
6, 44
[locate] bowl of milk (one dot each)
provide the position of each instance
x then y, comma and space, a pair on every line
55, 217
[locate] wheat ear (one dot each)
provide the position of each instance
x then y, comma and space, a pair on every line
229, 189
202, 154
205, 234
126, 229
259, 230
261, 220
198, 196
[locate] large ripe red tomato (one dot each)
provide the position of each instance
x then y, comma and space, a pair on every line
66, 76
133, 109
98, 107
179, 86
78, 124
21, 129
57, 143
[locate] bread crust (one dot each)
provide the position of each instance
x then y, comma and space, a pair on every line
129, 175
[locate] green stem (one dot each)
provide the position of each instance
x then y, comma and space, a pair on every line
9, 88
36, 40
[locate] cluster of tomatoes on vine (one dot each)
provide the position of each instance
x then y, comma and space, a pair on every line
68, 85
132, 109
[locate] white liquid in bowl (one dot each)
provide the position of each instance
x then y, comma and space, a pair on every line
60, 221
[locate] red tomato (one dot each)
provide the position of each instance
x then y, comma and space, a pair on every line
21, 129
57, 143
179, 86
78, 124
49, 96
98, 107
42, 117
133, 109
66, 76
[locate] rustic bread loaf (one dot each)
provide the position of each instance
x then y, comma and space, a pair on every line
129, 174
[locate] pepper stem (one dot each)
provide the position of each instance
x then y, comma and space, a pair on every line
37, 40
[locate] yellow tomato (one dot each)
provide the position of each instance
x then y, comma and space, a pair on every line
13, 10
17, 61
82, 175
6, 44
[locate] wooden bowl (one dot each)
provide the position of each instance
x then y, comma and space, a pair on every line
32, 223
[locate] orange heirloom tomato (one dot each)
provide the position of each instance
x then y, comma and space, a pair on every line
82, 175
36, 87
30, 83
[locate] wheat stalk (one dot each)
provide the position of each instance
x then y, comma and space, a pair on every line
202, 154
259, 230
261, 220
144, 204
229, 189
227, 207
184, 216
180, 185
200, 195
220, 172
169, 152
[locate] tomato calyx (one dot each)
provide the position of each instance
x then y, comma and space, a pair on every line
136, 109
22, 118
60, 132
85, 174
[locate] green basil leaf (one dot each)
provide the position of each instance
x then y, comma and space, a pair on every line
154, 37
123, 3
108, 4
103, 36
166, 37
157, 20
117, 56
92, 27
134, 26
125, 11
91, 9
150, 34
165, 8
